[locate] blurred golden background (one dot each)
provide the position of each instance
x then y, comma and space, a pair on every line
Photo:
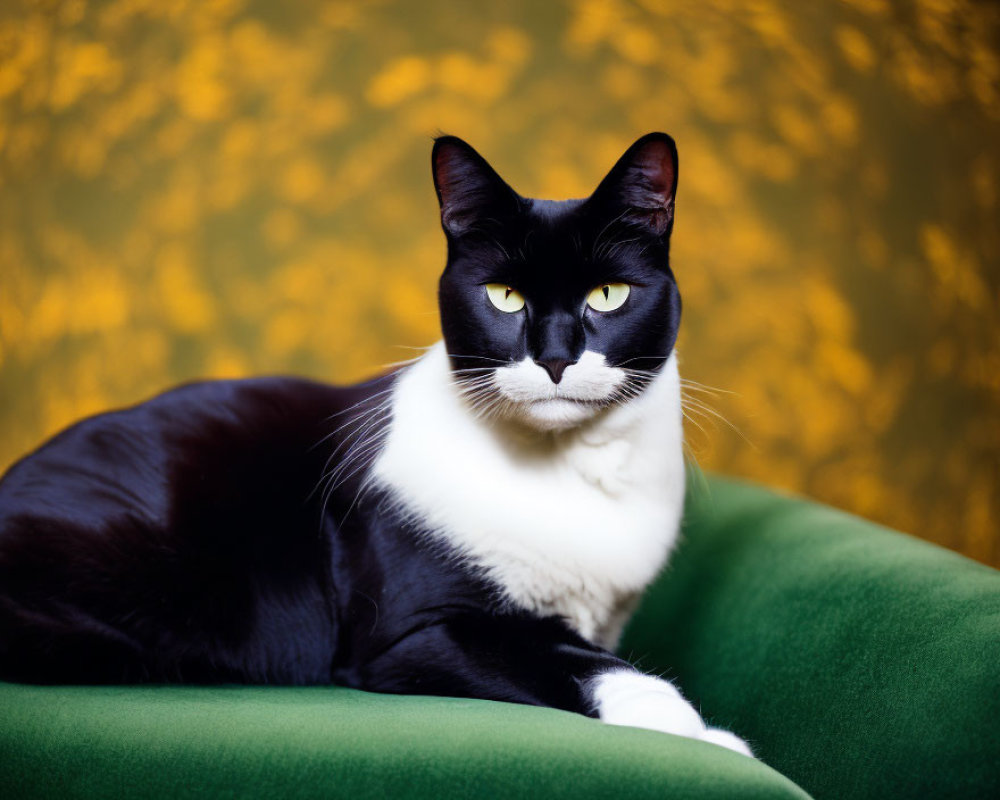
230, 187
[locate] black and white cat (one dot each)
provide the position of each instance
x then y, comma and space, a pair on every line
479, 523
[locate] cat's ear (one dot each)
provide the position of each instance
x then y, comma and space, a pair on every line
469, 190
641, 186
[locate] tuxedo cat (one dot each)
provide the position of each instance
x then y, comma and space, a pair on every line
476, 524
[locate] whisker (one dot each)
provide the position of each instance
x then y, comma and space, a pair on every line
423, 348
406, 362
480, 358
694, 422
357, 423
698, 405
641, 358
353, 419
359, 403
342, 474
704, 387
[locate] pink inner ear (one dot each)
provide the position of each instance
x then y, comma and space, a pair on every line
657, 165
444, 168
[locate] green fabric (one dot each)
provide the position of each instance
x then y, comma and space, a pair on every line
271, 742
859, 662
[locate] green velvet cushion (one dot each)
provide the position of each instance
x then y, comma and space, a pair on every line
859, 662
269, 742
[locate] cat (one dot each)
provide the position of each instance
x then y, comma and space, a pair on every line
478, 523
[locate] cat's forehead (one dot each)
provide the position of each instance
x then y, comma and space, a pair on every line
547, 245
559, 248
551, 228
561, 239
554, 211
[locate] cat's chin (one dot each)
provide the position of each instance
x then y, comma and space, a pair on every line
556, 414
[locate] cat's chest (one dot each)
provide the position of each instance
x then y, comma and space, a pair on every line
579, 537
576, 530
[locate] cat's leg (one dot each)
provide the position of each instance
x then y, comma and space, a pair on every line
522, 658
63, 644
149, 614
628, 697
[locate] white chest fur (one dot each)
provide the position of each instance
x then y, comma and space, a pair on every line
573, 523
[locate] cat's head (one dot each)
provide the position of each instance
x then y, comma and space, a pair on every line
553, 312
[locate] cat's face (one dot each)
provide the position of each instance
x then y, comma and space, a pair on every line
553, 312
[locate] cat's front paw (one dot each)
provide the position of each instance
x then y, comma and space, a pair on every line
726, 739
625, 697
630, 698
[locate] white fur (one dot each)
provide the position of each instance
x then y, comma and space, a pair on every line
541, 404
573, 521
570, 506
626, 697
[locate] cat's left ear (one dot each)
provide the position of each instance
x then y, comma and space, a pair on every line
641, 186
469, 190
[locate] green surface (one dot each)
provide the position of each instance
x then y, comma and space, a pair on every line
859, 663
331, 742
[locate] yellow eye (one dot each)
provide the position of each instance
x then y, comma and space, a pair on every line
608, 296
504, 297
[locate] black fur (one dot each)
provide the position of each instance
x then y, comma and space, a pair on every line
554, 254
195, 538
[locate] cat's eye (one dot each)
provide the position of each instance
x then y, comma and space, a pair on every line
608, 296
504, 297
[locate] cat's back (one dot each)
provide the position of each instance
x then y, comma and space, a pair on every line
181, 442
175, 539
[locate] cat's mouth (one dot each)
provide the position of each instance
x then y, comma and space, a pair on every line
524, 392
561, 398
530, 396
553, 414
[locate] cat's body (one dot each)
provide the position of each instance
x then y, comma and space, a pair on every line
212, 500
478, 523
574, 523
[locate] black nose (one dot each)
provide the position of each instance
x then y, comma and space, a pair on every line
555, 367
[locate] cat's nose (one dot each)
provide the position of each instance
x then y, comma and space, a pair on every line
555, 341
554, 366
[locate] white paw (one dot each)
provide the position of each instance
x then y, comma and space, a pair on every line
726, 739
642, 701
630, 698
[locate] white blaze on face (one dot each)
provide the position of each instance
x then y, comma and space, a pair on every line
535, 400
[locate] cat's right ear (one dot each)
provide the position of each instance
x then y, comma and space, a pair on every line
640, 188
469, 190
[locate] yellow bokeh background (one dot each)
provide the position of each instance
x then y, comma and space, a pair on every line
232, 187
